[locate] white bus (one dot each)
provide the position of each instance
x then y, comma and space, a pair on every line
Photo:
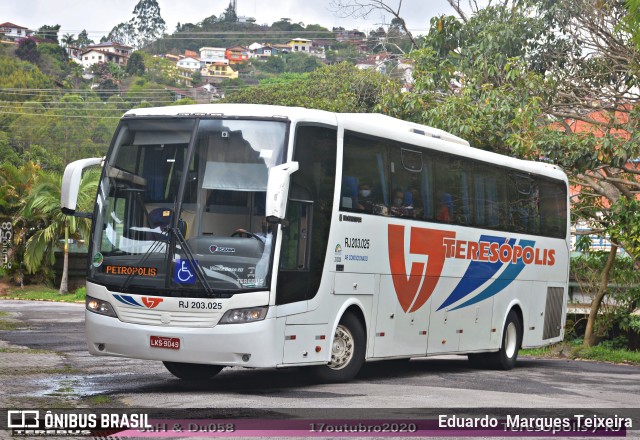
265, 236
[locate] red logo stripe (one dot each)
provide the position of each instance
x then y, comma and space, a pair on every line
423, 241
151, 302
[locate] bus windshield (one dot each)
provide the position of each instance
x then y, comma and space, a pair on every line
181, 206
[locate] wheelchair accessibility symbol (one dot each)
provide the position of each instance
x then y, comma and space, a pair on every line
184, 273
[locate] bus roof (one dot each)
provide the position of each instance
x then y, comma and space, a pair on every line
374, 124
293, 113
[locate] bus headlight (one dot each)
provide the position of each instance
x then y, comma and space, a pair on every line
98, 306
239, 316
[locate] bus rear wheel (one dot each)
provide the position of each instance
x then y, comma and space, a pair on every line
505, 358
347, 352
192, 371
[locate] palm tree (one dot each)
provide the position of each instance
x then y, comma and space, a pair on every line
68, 40
15, 184
43, 203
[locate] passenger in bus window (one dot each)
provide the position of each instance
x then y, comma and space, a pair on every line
365, 200
368, 203
402, 204
412, 198
445, 205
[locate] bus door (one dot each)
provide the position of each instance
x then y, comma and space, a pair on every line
306, 232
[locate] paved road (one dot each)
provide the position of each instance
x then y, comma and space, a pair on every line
44, 363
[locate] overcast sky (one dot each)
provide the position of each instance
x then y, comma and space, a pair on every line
98, 17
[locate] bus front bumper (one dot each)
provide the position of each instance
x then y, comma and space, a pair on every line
246, 345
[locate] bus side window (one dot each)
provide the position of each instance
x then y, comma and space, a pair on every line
349, 192
523, 195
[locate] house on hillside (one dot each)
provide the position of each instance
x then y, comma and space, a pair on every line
264, 52
212, 54
108, 52
300, 45
190, 54
14, 32
206, 93
353, 36
218, 71
281, 48
189, 63
237, 54
177, 93
376, 61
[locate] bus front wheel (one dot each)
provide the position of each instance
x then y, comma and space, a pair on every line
347, 352
192, 371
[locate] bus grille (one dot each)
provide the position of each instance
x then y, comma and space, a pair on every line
553, 313
169, 319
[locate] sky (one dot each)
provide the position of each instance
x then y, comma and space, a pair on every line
98, 17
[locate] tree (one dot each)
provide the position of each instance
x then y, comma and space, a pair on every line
83, 39
15, 184
17, 74
47, 32
364, 8
68, 40
340, 87
53, 60
614, 297
147, 22
43, 203
135, 65
273, 64
28, 50
229, 14
123, 33
298, 62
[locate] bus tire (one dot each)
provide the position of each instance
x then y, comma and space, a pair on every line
347, 352
185, 371
505, 358
478, 360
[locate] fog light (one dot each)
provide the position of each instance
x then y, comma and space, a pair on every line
246, 357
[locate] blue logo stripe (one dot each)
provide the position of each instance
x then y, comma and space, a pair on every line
476, 274
126, 299
507, 277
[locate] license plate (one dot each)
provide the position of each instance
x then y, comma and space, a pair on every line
164, 342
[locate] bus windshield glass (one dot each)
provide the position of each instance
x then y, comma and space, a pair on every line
181, 206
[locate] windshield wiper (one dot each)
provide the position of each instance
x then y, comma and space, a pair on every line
152, 248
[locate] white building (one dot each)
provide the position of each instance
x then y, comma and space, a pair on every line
189, 63
13, 31
108, 52
212, 54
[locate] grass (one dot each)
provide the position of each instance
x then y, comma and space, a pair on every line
43, 293
596, 353
604, 354
100, 400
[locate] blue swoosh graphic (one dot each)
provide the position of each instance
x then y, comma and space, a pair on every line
126, 299
507, 277
476, 274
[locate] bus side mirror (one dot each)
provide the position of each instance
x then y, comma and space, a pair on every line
278, 191
71, 185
